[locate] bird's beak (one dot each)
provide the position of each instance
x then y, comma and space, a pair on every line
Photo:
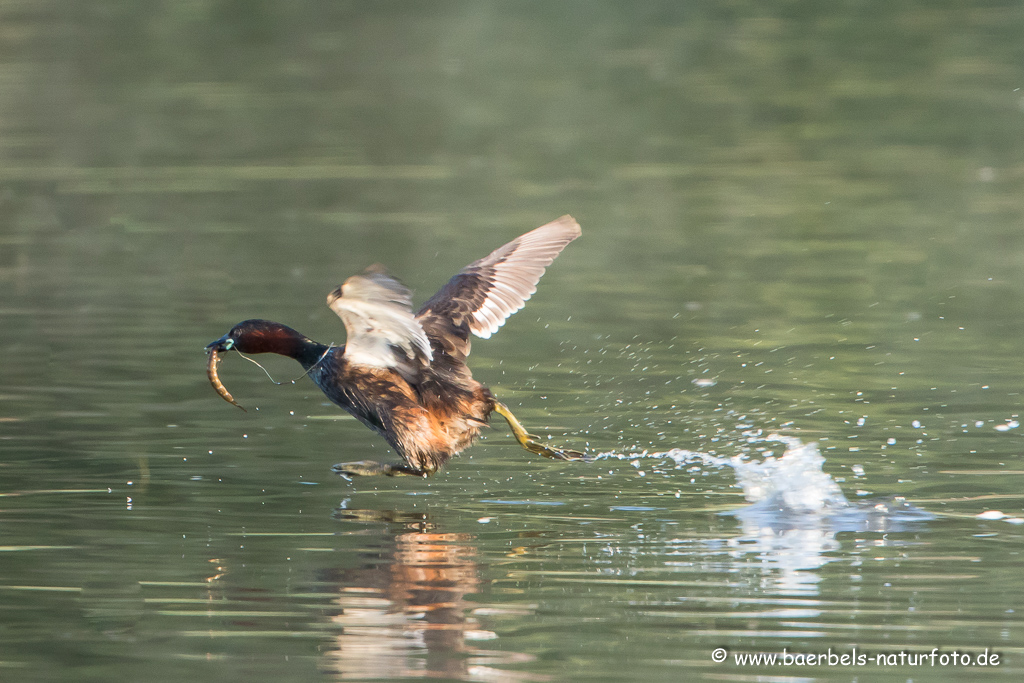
225, 343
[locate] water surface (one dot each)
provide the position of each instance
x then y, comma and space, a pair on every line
801, 230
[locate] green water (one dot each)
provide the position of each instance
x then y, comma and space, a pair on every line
800, 218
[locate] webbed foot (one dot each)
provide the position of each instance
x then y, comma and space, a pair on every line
554, 452
367, 468
532, 443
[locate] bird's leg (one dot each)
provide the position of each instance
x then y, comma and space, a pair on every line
365, 468
532, 443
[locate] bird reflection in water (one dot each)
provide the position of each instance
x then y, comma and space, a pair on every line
405, 612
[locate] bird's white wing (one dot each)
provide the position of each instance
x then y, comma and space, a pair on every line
382, 331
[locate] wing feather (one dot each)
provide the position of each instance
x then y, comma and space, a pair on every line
381, 329
486, 292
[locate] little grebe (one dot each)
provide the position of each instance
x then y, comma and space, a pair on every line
404, 375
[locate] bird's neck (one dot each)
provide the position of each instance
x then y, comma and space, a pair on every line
271, 337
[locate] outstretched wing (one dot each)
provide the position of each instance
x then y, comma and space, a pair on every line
382, 332
486, 292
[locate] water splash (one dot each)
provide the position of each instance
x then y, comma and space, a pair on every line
795, 511
792, 490
795, 481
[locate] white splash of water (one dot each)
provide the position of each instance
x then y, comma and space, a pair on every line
794, 482
795, 508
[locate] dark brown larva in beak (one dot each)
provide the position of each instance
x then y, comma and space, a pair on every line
211, 372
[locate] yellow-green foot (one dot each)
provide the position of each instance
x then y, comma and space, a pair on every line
532, 443
368, 468
553, 452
